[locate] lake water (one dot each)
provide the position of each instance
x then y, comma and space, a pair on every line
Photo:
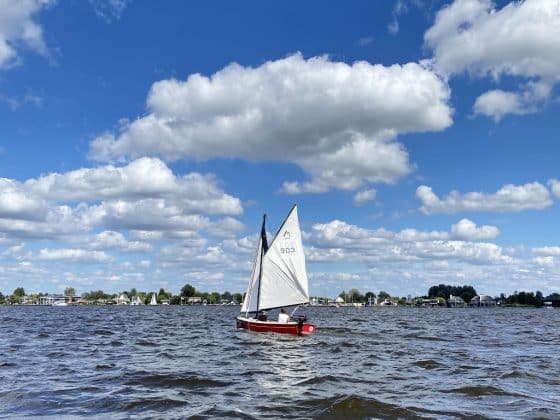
176, 362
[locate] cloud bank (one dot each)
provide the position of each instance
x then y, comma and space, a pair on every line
338, 122
522, 40
509, 198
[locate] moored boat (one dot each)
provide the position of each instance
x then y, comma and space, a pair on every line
153, 301
279, 280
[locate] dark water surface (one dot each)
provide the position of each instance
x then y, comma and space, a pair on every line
176, 362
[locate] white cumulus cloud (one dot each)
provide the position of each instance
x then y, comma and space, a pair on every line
467, 230
110, 239
140, 179
547, 251
18, 29
362, 197
498, 103
141, 196
522, 39
339, 241
73, 255
544, 261
555, 187
337, 121
509, 198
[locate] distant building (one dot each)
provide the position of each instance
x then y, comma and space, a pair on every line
57, 298
26, 300
429, 302
456, 302
319, 301
386, 302
553, 300
194, 300
482, 301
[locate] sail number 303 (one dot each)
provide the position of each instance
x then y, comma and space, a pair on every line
288, 250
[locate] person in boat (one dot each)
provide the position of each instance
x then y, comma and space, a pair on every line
262, 316
283, 317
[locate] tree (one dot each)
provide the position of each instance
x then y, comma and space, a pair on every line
17, 295
445, 290
205, 296
383, 295
95, 295
163, 295
513, 299
2, 298
539, 299
214, 297
188, 291
132, 292
70, 292
237, 297
355, 296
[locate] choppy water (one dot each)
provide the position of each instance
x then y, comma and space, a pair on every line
176, 362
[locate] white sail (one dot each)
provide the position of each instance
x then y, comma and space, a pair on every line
284, 277
153, 301
251, 296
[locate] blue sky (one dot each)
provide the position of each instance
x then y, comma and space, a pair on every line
140, 143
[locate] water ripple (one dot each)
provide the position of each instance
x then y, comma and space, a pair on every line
180, 362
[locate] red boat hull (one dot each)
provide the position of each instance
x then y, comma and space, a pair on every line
275, 327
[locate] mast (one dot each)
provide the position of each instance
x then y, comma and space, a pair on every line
264, 248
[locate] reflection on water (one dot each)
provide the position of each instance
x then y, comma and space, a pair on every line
169, 362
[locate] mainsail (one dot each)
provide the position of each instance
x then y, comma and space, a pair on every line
279, 276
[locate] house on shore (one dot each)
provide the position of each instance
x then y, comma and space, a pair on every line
456, 302
553, 300
57, 299
196, 300
429, 303
482, 301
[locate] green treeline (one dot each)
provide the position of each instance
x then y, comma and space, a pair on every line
445, 291
99, 296
527, 298
441, 293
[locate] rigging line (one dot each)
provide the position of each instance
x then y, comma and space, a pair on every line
263, 233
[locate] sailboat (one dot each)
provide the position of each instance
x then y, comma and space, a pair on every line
153, 301
278, 280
